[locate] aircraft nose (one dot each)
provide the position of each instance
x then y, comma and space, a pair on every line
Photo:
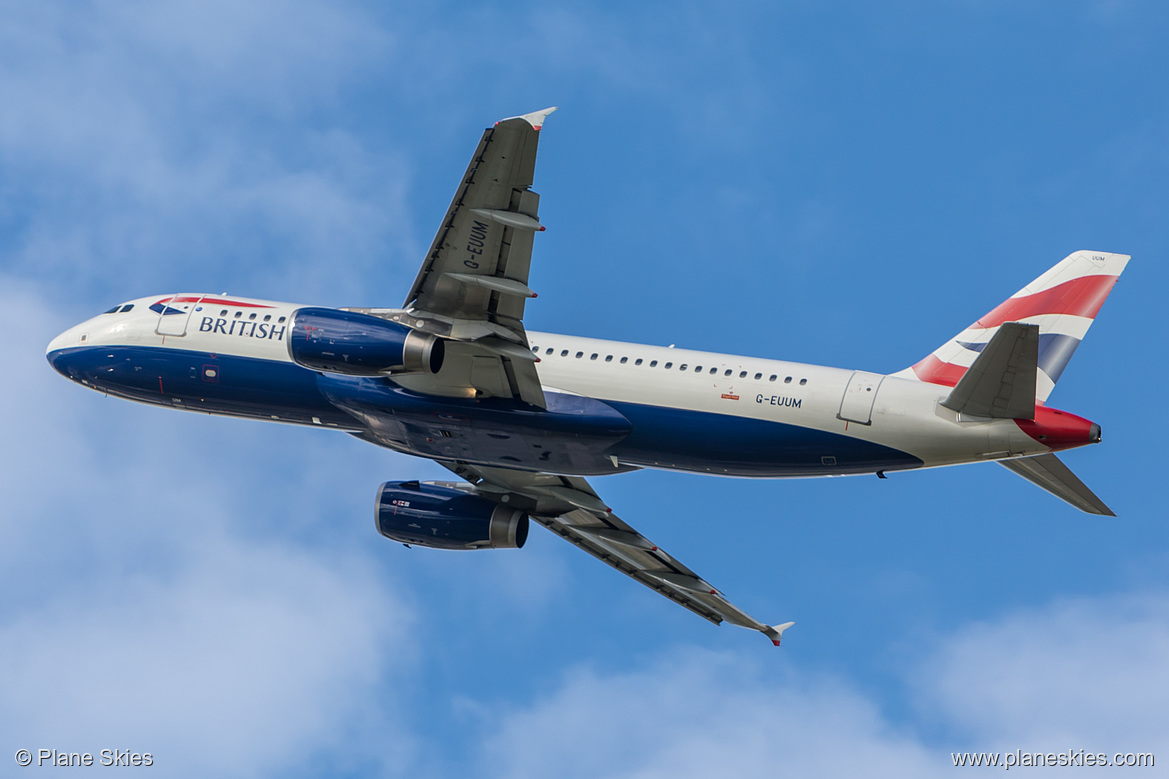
59, 349
55, 353
57, 344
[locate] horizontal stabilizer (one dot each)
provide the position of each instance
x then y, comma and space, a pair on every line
1001, 381
1049, 472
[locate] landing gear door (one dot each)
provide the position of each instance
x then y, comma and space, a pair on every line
857, 403
174, 313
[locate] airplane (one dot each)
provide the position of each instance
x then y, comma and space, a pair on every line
524, 417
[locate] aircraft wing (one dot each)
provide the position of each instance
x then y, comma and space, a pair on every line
474, 283
571, 509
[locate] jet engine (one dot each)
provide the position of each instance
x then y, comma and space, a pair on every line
434, 515
328, 339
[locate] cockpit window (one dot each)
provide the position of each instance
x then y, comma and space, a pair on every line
113, 310
127, 308
121, 308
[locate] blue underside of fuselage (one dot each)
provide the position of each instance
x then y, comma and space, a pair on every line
575, 435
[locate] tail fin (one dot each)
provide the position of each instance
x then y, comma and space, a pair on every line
1063, 302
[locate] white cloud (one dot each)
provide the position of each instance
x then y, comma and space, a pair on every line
1089, 674
155, 139
702, 714
140, 609
243, 656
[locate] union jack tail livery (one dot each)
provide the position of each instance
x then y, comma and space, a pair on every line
1063, 302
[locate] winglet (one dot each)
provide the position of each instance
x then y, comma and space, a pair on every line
775, 632
536, 118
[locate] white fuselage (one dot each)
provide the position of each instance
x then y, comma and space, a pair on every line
901, 414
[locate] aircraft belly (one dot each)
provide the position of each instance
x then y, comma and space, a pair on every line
203, 381
744, 446
574, 435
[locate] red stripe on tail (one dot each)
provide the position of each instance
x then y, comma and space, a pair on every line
1079, 297
934, 371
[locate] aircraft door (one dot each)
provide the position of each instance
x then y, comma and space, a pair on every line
174, 313
857, 403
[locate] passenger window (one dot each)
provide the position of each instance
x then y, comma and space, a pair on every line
803, 382
278, 321
681, 367
579, 355
727, 372
668, 365
637, 361
563, 352
624, 360
252, 315
535, 348
267, 317
788, 380
593, 356
698, 369
758, 376
773, 377
608, 358
548, 350
653, 363
238, 314
742, 374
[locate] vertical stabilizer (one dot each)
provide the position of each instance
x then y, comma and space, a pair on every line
1063, 302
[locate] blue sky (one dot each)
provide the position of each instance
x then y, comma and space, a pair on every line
840, 183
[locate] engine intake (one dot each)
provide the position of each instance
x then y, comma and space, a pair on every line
429, 514
328, 339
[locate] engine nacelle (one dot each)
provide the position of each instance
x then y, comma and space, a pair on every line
432, 515
328, 339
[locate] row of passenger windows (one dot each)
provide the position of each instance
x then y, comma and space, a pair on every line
669, 365
267, 317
